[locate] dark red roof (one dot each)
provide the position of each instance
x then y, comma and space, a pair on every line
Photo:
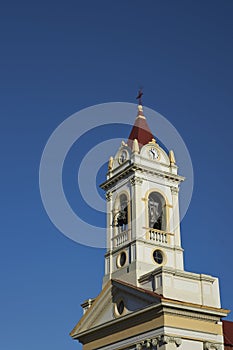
145, 291
140, 130
228, 335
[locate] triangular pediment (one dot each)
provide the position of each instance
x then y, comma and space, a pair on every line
116, 300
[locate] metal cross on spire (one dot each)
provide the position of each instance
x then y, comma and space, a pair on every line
139, 97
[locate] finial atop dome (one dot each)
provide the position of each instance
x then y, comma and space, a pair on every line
140, 109
140, 112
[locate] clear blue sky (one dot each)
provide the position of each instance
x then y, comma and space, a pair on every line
58, 57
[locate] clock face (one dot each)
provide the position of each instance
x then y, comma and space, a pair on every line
153, 153
122, 157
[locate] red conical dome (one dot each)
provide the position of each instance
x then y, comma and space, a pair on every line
140, 130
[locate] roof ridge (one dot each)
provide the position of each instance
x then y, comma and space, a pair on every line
139, 288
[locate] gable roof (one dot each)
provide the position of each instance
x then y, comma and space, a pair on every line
101, 311
138, 300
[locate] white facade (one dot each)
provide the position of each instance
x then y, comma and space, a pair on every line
142, 176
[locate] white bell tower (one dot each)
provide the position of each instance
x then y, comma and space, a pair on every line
142, 191
143, 223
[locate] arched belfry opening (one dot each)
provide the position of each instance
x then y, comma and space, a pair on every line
121, 220
157, 211
122, 215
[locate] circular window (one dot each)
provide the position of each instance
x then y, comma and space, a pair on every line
121, 259
119, 307
158, 256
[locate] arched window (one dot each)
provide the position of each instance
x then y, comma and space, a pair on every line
156, 211
122, 217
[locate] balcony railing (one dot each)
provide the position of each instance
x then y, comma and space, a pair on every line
158, 236
152, 234
121, 238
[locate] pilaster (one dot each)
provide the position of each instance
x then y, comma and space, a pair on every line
136, 216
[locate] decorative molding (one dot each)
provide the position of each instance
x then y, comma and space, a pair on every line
108, 196
153, 142
132, 168
154, 342
169, 206
165, 339
190, 314
135, 146
182, 273
158, 341
174, 190
135, 180
172, 157
110, 163
211, 346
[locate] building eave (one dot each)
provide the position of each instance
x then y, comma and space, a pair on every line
133, 168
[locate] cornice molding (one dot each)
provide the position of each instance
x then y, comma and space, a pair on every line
108, 195
184, 307
193, 314
179, 273
136, 180
132, 168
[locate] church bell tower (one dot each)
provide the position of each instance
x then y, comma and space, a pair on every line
142, 190
148, 300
